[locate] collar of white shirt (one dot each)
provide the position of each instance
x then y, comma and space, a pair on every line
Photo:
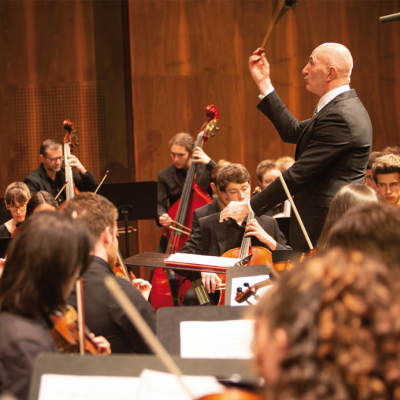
327, 97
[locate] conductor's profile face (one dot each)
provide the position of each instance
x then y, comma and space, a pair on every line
315, 73
180, 156
237, 191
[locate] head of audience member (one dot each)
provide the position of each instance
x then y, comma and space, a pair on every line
16, 197
373, 229
51, 156
182, 146
222, 201
329, 330
267, 171
234, 182
369, 180
386, 174
100, 217
43, 264
285, 162
329, 67
347, 197
41, 201
392, 149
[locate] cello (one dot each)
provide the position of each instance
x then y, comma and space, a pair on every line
168, 289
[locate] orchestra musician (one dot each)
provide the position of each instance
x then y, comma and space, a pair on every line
329, 330
41, 201
172, 179
30, 292
333, 146
369, 180
50, 174
103, 315
214, 239
16, 198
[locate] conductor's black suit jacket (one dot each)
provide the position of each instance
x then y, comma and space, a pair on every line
332, 151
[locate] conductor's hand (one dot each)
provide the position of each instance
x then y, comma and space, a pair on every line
200, 157
143, 286
103, 345
236, 210
210, 281
165, 220
253, 228
259, 69
76, 165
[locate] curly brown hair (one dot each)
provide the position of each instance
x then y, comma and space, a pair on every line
342, 323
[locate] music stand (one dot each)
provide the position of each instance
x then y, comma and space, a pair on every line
134, 201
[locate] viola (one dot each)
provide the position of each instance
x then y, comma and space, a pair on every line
242, 296
65, 333
121, 270
168, 289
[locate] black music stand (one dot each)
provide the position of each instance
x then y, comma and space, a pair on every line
134, 200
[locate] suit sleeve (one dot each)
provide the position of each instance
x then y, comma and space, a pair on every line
85, 182
279, 237
32, 184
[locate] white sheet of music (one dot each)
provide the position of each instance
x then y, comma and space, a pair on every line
217, 339
77, 387
202, 260
251, 280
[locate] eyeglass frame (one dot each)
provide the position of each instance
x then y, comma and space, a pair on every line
20, 208
55, 159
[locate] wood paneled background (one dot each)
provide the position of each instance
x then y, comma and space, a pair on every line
133, 74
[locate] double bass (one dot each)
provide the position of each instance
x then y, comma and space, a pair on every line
168, 289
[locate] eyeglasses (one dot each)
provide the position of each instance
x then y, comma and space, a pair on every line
20, 208
55, 159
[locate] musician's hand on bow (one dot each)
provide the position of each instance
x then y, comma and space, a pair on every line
200, 157
103, 345
253, 228
76, 164
211, 281
165, 220
143, 286
235, 209
259, 69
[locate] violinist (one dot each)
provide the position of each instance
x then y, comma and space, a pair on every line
50, 175
172, 178
31, 291
16, 198
214, 238
103, 315
41, 201
328, 330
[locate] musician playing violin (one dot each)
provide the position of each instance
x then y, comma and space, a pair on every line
50, 175
172, 178
30, 291
214, 238
103, 315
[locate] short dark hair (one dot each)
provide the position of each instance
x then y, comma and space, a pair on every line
339, 314
94, 210
41, 197
216, 169
49, 249
17, 192
388, 164
265, 166
183, 139
346, 198
49, 143
373, 229
236, 173
373, 157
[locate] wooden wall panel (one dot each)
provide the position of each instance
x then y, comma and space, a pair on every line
187, 54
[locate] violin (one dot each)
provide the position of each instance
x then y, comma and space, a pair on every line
233, 394
120, 269
65, 333
168, 289
242, 296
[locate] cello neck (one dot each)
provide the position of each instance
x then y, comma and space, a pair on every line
246, 241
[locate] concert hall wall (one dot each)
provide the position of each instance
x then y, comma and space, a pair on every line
133, 74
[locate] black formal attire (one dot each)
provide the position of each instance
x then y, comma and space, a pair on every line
4, 232
39, 180
332, 151
208, 209
170, 185
21, 340
104, 317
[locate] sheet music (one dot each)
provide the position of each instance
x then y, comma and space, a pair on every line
217, 339
251, 280
161, 385
202, 260
77, 387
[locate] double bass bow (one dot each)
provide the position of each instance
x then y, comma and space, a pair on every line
167, 288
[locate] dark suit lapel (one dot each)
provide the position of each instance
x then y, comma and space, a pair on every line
177, 178
222, 235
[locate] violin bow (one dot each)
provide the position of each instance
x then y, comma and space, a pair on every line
137, 320
60, 191
295, 211
104, 178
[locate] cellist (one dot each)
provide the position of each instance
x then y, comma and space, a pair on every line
171, 179
50, 175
